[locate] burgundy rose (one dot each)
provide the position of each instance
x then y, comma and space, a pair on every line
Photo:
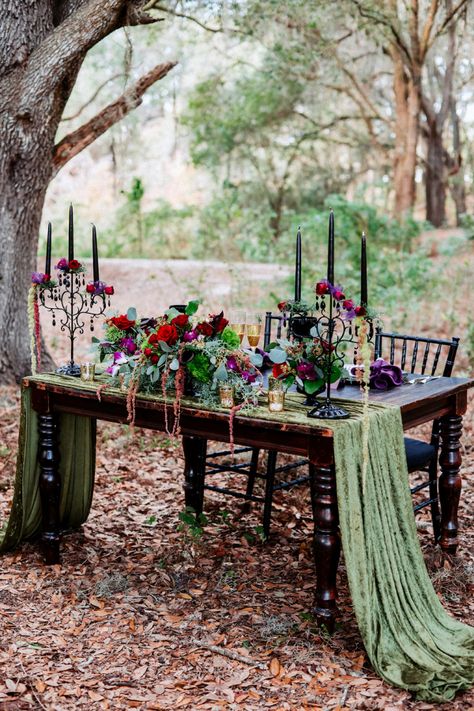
205, 328
279, 369
90, 288
154, 359
282, 305
62, 264
122, 322
322, 288
109, 290
74, 264
180, 321
360, 311
338, 295
348, 304
148, 352
168, 334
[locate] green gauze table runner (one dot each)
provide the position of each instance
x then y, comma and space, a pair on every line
76, 468
409, 638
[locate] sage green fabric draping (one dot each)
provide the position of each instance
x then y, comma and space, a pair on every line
409, 638
76, 469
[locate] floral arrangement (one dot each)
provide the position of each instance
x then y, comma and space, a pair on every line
70, 266
181, 353
39, 281
310, 360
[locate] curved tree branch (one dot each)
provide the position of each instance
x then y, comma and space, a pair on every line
76, 141
93, 97
61, 50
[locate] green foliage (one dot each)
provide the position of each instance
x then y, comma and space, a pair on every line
230, 337
200, 368
191, 524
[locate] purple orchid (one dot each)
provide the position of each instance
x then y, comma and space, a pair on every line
248, 376
119, 359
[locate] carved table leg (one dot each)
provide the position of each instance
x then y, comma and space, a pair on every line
327, 540
450, 480
195, 449
49, 486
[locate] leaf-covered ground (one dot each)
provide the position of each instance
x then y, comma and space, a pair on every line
142, 614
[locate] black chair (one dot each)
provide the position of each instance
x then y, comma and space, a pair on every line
275, 326
423, 356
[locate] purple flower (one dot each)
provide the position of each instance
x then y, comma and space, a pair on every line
190, 335
306, 371
248, 376
232, 363
62, 264
37, 278
128, 344
99, 287
349, 315
119, 359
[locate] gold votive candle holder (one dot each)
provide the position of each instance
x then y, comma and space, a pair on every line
276, 395
226, 396
88, 371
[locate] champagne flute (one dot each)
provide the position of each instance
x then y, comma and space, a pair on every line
253, 331
237, 321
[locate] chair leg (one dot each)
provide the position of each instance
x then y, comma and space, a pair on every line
252, 476
269, 484
435, 512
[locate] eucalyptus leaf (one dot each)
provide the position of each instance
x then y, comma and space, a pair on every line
164, 347
174, 365
256, 359
278, 355
162, 360
221, 372
314, 332
132, 314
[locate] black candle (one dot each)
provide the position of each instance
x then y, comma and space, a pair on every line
71, 234
363, 271
331, 248
47, 264
95, 255
298, 267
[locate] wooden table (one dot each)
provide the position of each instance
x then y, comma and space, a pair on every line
445, 398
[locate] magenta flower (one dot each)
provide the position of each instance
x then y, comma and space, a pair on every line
129, 345
232, 364
306, 371
190, 335
248, 376
63, 264
119, 359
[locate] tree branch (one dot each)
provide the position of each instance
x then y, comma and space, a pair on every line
62, 49
93, 97
76, 141
154, 5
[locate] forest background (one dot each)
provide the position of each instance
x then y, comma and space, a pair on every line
270, 118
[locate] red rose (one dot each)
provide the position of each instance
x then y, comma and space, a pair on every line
282, 305
74, 264
339, 295
148, 352
348, 304
180, 321
322, 288
122, 322
205, 328
154, 359
279, 369
109, 290
153, 338
168, 334
360, 310
90, 288
46, 278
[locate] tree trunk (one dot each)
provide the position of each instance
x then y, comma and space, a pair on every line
457, 185
407, 112
435, 177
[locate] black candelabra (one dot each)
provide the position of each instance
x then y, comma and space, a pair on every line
331, 325
70, 300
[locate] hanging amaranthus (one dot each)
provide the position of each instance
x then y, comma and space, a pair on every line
34, 328
363, 375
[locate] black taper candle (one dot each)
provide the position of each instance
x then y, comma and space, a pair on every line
95, 255
363, 270
331, 248
47, 264
298, 266
71, 234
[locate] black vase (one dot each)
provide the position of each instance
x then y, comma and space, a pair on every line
311, 399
